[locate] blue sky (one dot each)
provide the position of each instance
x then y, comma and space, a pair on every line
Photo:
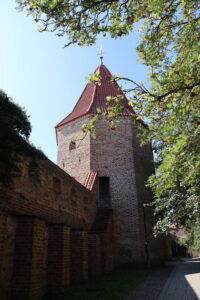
47, 79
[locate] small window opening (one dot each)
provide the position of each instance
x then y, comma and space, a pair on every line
104, 192
72, 145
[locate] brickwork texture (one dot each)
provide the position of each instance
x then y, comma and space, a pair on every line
62, 224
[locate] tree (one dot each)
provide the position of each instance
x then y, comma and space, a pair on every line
13, 117
15, 129
193, 235
169, 46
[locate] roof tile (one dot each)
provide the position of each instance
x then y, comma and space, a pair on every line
94, 96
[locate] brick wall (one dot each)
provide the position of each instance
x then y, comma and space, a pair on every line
116, 154
94, 255
75, 162
58, 258
8, 229
103, 224
79, 255
22, 259
45, 214
37, 210
34, 193
144, 167
37, 282
28, 268
112, 156
3, 219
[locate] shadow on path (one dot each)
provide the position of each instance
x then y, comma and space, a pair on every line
184, 282
178, 280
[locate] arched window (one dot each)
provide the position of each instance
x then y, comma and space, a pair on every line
104, 192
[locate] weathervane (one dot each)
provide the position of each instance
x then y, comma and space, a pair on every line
101, 54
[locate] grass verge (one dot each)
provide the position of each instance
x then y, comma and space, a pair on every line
113, 286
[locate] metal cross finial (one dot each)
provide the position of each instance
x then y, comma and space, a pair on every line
101, 54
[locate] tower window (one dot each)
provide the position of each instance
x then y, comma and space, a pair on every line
104, 192
72, 145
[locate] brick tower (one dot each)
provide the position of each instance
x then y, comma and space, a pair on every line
122, 168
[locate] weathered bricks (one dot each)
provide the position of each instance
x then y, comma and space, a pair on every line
3, 219
38, 274
104, 226
37, 200
112, 154
79, 255
77, 161
47, 202
28, 271
94, 255
117, 156
36, 195
7, 241
58, 258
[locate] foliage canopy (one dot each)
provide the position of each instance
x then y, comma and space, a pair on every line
15, 129
193, 235
13, 116
169, 46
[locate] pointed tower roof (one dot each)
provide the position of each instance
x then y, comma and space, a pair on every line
94, 96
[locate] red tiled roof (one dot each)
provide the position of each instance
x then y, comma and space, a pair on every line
94, 96
90, 179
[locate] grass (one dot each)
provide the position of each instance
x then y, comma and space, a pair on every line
113, 286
